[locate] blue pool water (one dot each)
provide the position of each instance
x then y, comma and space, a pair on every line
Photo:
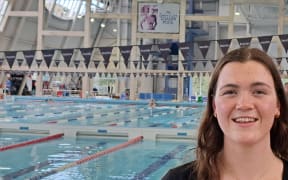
143, 160
100, 114
146, 160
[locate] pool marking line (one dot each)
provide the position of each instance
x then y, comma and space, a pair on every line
157, 164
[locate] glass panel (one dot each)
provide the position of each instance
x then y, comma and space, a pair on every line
3, 7
199, 7
256, 19
69, 9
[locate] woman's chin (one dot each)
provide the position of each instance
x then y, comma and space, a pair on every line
245, 139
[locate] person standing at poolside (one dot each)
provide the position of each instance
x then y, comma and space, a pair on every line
243, 133
286, 89
8, 86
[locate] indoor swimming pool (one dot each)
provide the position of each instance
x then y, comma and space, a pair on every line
100, 114
142, 160
89, 139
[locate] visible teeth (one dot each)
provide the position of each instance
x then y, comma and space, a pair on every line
245, 120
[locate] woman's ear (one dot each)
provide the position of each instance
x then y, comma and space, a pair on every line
277, 113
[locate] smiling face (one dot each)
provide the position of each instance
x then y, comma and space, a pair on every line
245, 102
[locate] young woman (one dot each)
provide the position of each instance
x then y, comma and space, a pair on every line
243, 134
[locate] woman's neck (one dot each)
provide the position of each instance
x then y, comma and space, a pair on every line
251, 162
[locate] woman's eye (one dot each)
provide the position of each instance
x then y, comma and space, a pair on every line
259, 92
229, 92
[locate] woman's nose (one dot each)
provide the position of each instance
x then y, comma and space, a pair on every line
244, 101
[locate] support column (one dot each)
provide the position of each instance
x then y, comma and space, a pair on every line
182, 34
117, 87
39, 84
85, 86
180, 88
281, 25
231, 23
91, 85
133, 86
122, 85
87, 33
147, 82
40, 25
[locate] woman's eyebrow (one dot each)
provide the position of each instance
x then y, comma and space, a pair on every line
259, 83
229, 85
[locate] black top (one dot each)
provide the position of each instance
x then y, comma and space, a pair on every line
184, 172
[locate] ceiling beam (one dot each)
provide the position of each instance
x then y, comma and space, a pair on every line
63, 33
110, 16
207, 18
23, 13
256, 1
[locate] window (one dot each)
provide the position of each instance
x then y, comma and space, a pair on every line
3, 8
70, 9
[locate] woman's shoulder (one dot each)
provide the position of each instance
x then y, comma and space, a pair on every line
182, 172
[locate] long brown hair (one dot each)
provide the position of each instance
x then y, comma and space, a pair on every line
210, 136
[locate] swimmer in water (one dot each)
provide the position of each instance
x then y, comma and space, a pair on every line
152, 103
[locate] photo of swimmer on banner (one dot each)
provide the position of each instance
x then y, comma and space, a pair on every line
161, 18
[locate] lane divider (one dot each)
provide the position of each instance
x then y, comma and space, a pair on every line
39, 165
34, 141
88, 158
